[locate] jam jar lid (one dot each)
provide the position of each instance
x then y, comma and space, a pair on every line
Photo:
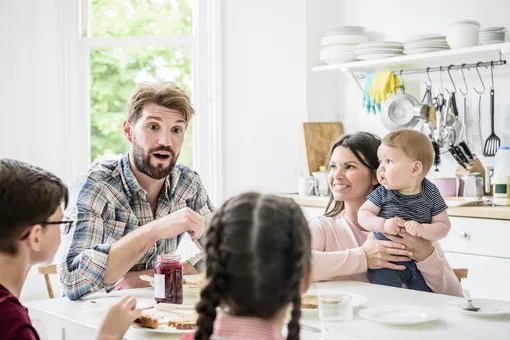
169, 258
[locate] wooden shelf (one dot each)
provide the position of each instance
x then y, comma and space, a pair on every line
442, 58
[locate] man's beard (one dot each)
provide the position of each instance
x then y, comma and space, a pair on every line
142, 161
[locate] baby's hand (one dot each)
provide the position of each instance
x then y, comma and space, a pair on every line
393, 225
414, 228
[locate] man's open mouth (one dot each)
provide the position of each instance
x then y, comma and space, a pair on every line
161, 155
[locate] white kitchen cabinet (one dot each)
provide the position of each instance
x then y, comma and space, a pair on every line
488, 277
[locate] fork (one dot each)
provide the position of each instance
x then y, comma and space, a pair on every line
469, 306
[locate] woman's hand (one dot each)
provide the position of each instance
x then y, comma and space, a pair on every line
419, 247
379, 254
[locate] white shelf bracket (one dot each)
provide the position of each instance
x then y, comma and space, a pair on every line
352, 77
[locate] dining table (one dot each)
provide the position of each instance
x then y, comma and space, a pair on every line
70, 320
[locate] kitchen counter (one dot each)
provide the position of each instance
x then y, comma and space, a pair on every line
497, 213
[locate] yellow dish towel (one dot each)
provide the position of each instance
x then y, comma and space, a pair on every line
384, 85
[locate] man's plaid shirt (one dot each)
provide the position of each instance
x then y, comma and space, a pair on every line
106, 204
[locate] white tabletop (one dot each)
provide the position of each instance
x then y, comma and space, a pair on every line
79, 322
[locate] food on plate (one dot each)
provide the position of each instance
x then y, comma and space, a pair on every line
92, 301
147, 321
184, 322
309, 301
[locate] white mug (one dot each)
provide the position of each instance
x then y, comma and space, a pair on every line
305, 186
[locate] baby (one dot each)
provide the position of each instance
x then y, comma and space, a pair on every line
404, 202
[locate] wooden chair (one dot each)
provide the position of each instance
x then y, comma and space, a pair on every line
47, 271
461, 273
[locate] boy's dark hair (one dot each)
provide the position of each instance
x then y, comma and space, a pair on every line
28, 195
258, 250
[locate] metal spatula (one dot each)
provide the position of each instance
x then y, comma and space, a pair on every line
493, 142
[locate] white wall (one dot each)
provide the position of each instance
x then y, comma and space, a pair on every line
29, 120
398, 19
264, 93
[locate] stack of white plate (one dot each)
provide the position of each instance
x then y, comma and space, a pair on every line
425, 43
492, 35
339, 42
378, 50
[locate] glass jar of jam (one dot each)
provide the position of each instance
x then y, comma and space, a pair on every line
168, 279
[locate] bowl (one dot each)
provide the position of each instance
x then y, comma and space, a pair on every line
461, 34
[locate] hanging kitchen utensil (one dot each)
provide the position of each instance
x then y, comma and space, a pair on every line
464, 132
493, 142
457, 125
397, 111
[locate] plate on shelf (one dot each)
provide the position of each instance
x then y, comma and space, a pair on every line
399, 315
367, 57
424, 50
379, 51
488, 307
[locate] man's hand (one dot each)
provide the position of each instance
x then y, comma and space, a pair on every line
184, 220
414, 228
188, 269
132, 280
394, 225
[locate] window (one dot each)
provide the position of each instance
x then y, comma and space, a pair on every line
133, 41
107, 46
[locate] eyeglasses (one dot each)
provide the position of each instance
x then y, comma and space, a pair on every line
65, 227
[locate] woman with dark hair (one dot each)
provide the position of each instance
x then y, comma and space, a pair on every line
342, 249
258, 255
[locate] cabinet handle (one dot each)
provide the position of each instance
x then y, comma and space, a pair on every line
463, 235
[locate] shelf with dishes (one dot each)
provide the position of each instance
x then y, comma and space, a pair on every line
465, 55
348, 49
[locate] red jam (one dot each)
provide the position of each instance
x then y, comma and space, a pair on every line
168, 279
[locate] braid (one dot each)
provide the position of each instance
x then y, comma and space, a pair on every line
297, 272
216, 281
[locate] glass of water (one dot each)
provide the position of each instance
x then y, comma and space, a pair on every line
334, 308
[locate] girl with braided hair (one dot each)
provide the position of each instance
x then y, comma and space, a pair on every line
258, 256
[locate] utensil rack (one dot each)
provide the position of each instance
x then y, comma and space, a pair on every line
445, 68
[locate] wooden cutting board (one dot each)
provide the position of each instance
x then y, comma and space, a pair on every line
318, 138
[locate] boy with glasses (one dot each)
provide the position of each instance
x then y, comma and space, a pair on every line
30, 223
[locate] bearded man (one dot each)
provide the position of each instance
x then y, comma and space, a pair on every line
128, 211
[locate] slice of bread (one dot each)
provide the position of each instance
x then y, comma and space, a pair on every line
309, 302
185, 322
147, 321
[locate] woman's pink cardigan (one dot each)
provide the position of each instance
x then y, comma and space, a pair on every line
337, 255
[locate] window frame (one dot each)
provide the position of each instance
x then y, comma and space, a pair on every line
75, 45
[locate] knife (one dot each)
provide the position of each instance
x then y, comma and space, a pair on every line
461, 155
454, 154
466, 150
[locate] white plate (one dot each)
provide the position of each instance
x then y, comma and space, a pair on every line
377, 56
493, 29
399, 315
102, 304
164, 316
379, 51
163, 329
424, 50
427, 45
488, 307
380, 44
425, 36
